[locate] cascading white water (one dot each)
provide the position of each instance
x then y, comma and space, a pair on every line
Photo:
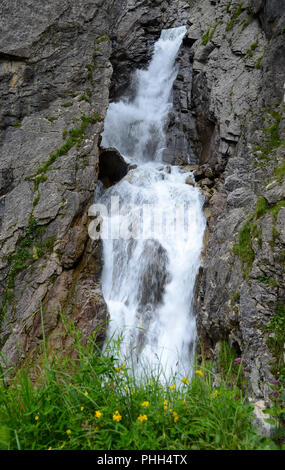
153, 232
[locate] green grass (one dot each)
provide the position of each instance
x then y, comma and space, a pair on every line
209, 34
90, 400
244, 247
234, 17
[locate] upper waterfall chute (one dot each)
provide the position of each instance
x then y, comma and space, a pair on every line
137, 127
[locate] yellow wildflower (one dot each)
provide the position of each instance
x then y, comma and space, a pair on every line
98, 414
198, 372
68, 431
86, 394
165, 407
185, 380
142, 418
173, 387
165, 402
215, 394
117, 417
145, 403
176, 417
50, 448
82, 408
36, 418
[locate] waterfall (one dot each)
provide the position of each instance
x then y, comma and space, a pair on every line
152, 228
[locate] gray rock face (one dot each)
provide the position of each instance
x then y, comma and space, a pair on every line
237, 95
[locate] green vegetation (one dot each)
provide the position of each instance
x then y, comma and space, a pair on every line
91, 400
261, 207
229, 6
67, 105
244, 24
51, 118
280, 171
276, 340
235, 297
244, 247
17, 124
75, 138
234, 17
258, 62
91, 68
103, 38
30, 247
268, 280
209, 34
271, 138
36, 199
252, 48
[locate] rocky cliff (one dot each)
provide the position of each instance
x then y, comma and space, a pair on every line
60, 64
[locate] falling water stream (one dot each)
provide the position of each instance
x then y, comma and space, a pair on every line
153, 230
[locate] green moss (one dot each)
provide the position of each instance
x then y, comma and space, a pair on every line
280, 171
268, 280
36, 199
261, 207
258, 62
103, 38
67, 105
17, 124
276, 208
51, 118
84, 98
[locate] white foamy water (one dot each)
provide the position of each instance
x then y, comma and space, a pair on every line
151, 263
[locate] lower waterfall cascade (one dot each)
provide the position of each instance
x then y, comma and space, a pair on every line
152, 230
